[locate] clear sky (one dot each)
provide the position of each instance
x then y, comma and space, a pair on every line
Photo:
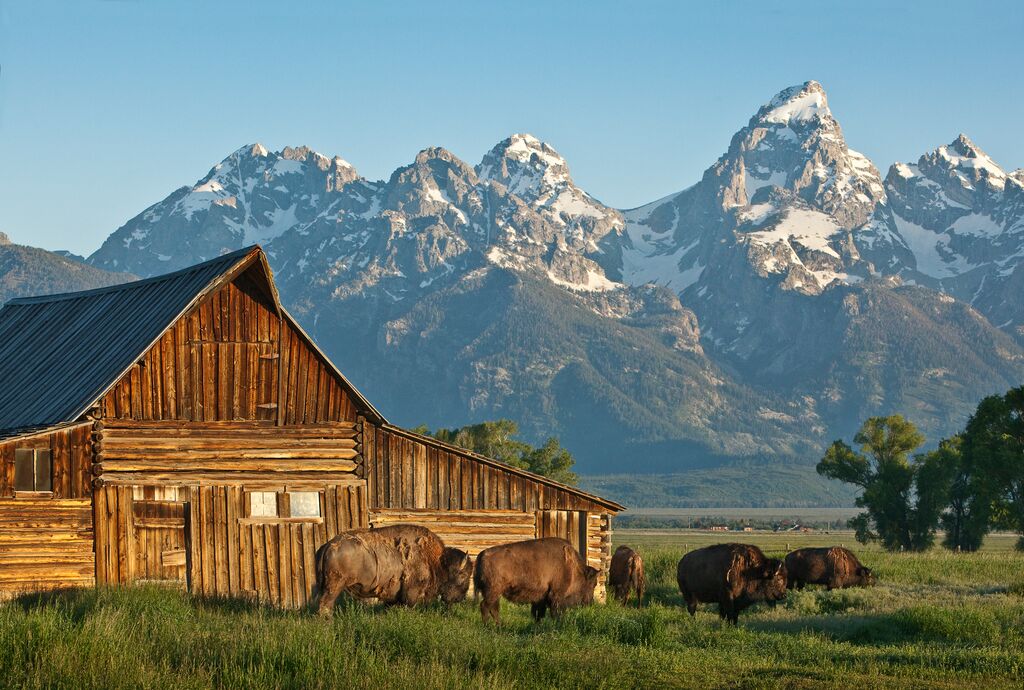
108, 106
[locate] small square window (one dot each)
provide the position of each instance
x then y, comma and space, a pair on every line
263, 504
304, 503
33, 469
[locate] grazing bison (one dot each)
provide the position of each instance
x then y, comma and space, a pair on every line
834, 567
547, 573
400, 564
627, 574
732, 575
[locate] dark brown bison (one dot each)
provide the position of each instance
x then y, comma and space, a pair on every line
834, 567
547, 573
627, 574
400, 564
732, 575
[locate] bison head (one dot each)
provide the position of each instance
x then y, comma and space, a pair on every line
866, 577
456, 570
774, 579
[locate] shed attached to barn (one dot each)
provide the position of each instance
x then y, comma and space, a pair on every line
185, 428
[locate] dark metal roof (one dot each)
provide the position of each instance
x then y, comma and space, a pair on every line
60, 353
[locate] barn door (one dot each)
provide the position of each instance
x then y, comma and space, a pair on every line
158, 531
570, 525
233, 380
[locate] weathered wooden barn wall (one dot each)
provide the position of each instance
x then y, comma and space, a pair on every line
473, 502
70, 453
179, 453
45, 544
46, 540
406, 470
173, 502
233, 357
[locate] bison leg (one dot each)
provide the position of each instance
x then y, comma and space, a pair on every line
489, 608
329, 596
539, 610
640, 596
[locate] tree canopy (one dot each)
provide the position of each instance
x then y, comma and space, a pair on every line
904, 496
496, 439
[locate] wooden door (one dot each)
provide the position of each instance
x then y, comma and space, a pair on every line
570, 525
158, 533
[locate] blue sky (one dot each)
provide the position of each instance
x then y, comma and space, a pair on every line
107, 106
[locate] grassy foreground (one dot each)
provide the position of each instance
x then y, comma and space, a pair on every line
935, 620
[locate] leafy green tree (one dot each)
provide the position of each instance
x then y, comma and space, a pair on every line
993, 452
904, 497
966, 520
497, 440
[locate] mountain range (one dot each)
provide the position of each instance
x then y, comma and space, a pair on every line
750, 318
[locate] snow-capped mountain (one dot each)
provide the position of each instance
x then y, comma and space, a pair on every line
955, 221
759, 313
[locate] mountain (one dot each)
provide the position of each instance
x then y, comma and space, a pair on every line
954, 221
754, 316
26, 271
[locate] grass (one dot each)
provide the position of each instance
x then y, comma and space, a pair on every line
935, 620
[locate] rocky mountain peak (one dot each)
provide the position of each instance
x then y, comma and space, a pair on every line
4, 239
798, 105
527, 166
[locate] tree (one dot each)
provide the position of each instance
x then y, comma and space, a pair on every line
904, 497
966, 520
497, 440
993, 453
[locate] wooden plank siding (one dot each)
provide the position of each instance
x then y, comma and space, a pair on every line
45, 544
233, 357
403, 470
70, 453
267, 559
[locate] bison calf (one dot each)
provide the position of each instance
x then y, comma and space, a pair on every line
834, 567
732, 575
627, 575
400, 564
547, 573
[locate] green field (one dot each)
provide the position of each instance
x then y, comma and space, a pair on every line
935, 620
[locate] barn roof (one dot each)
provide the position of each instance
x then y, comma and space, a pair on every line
59, 354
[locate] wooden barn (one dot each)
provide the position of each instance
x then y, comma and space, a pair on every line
184, 428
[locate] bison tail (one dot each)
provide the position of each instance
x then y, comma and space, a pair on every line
321, 581
478, 574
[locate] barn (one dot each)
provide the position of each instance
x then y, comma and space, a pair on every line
184, 429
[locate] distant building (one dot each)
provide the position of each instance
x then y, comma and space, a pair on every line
719, 528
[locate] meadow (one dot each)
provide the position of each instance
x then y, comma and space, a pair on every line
935, 620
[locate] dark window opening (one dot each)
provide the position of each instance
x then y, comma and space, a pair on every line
33, 469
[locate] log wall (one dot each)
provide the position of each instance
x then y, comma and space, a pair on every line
45, 544
255, 454
71, 454
469, 530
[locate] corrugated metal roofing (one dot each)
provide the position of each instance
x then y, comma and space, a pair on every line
60, 353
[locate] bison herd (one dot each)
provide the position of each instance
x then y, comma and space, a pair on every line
410, 565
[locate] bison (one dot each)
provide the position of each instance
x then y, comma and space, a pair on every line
400, 564
627, 574
834, 567
547, 573
732, 575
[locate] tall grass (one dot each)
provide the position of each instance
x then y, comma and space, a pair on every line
935, 620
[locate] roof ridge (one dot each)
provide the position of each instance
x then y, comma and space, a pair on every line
132, 284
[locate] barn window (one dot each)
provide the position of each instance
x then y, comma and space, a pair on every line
33, 469
304, 504
263, 504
